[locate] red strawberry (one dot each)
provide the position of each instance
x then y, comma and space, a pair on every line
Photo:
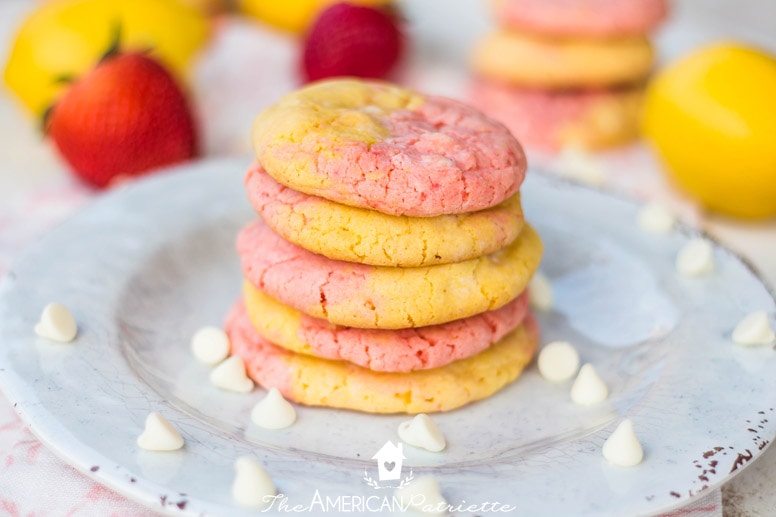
351, 40
125, 117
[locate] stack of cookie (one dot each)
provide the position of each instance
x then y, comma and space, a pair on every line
567, 73
387, 270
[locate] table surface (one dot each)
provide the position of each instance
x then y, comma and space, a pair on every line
228, 93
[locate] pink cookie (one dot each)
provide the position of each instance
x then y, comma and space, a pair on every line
339, 384
595, 18
358, 295
402, 350
550, 120
377, 146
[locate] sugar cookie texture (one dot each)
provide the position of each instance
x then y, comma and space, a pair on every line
386, 148
566, 73
387, 270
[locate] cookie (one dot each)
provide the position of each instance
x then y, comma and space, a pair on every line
591, 18
536, 62
551, 120
338, 384
353, 234
403, 350
377, 146
358, 295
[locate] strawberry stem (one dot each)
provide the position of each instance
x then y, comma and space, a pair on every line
115, 43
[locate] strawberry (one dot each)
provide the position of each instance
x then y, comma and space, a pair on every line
124, 118
351, 40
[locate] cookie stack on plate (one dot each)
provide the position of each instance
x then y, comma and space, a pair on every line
388, 268
567, 73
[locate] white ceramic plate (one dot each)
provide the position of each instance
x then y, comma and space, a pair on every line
146, 266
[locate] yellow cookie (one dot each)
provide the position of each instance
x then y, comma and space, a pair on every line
322, 382
535, 62
377, 146
358, 295
365, 236
551, 120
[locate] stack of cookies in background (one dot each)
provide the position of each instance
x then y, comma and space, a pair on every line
388, 268
567, 73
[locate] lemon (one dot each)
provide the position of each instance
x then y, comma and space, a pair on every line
66, 38
711, 116
293, 15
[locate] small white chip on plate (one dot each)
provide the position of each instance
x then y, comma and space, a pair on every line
273, 411
696, 258
210, 345
558, 361
622, 448
57, 324
230, 375
422, 432
159, 435
423, 495
252, 487
655, 217
540, 292
754, 330
588, 387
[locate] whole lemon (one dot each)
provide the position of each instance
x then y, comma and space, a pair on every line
293, 15
65, 38
711, 116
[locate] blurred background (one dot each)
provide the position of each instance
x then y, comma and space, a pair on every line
701, 141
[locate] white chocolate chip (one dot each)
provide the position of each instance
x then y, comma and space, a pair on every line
540, 292
423, 495
422, 432
754, 330
57, 324
588, 388
210, 345
657, 218
558, 361
622, 448
159, 435
252, 487
230, 375
696, 258
579, 165
273, 411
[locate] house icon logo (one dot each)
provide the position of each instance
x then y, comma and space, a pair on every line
390, 459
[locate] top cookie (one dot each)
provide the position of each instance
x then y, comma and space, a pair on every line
595, 18
377, 146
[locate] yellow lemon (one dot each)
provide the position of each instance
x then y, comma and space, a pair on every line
293, 15
711, 117
65, 38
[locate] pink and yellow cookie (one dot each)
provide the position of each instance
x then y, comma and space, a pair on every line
402, 350
537, 62
378, 146
359, 295
354, 234
592, 18
338, 384
552, 120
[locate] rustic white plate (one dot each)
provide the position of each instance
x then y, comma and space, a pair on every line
145, 266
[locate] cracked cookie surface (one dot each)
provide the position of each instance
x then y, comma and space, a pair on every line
366, 236
378, 146
321, 382
363, 296
401, 350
